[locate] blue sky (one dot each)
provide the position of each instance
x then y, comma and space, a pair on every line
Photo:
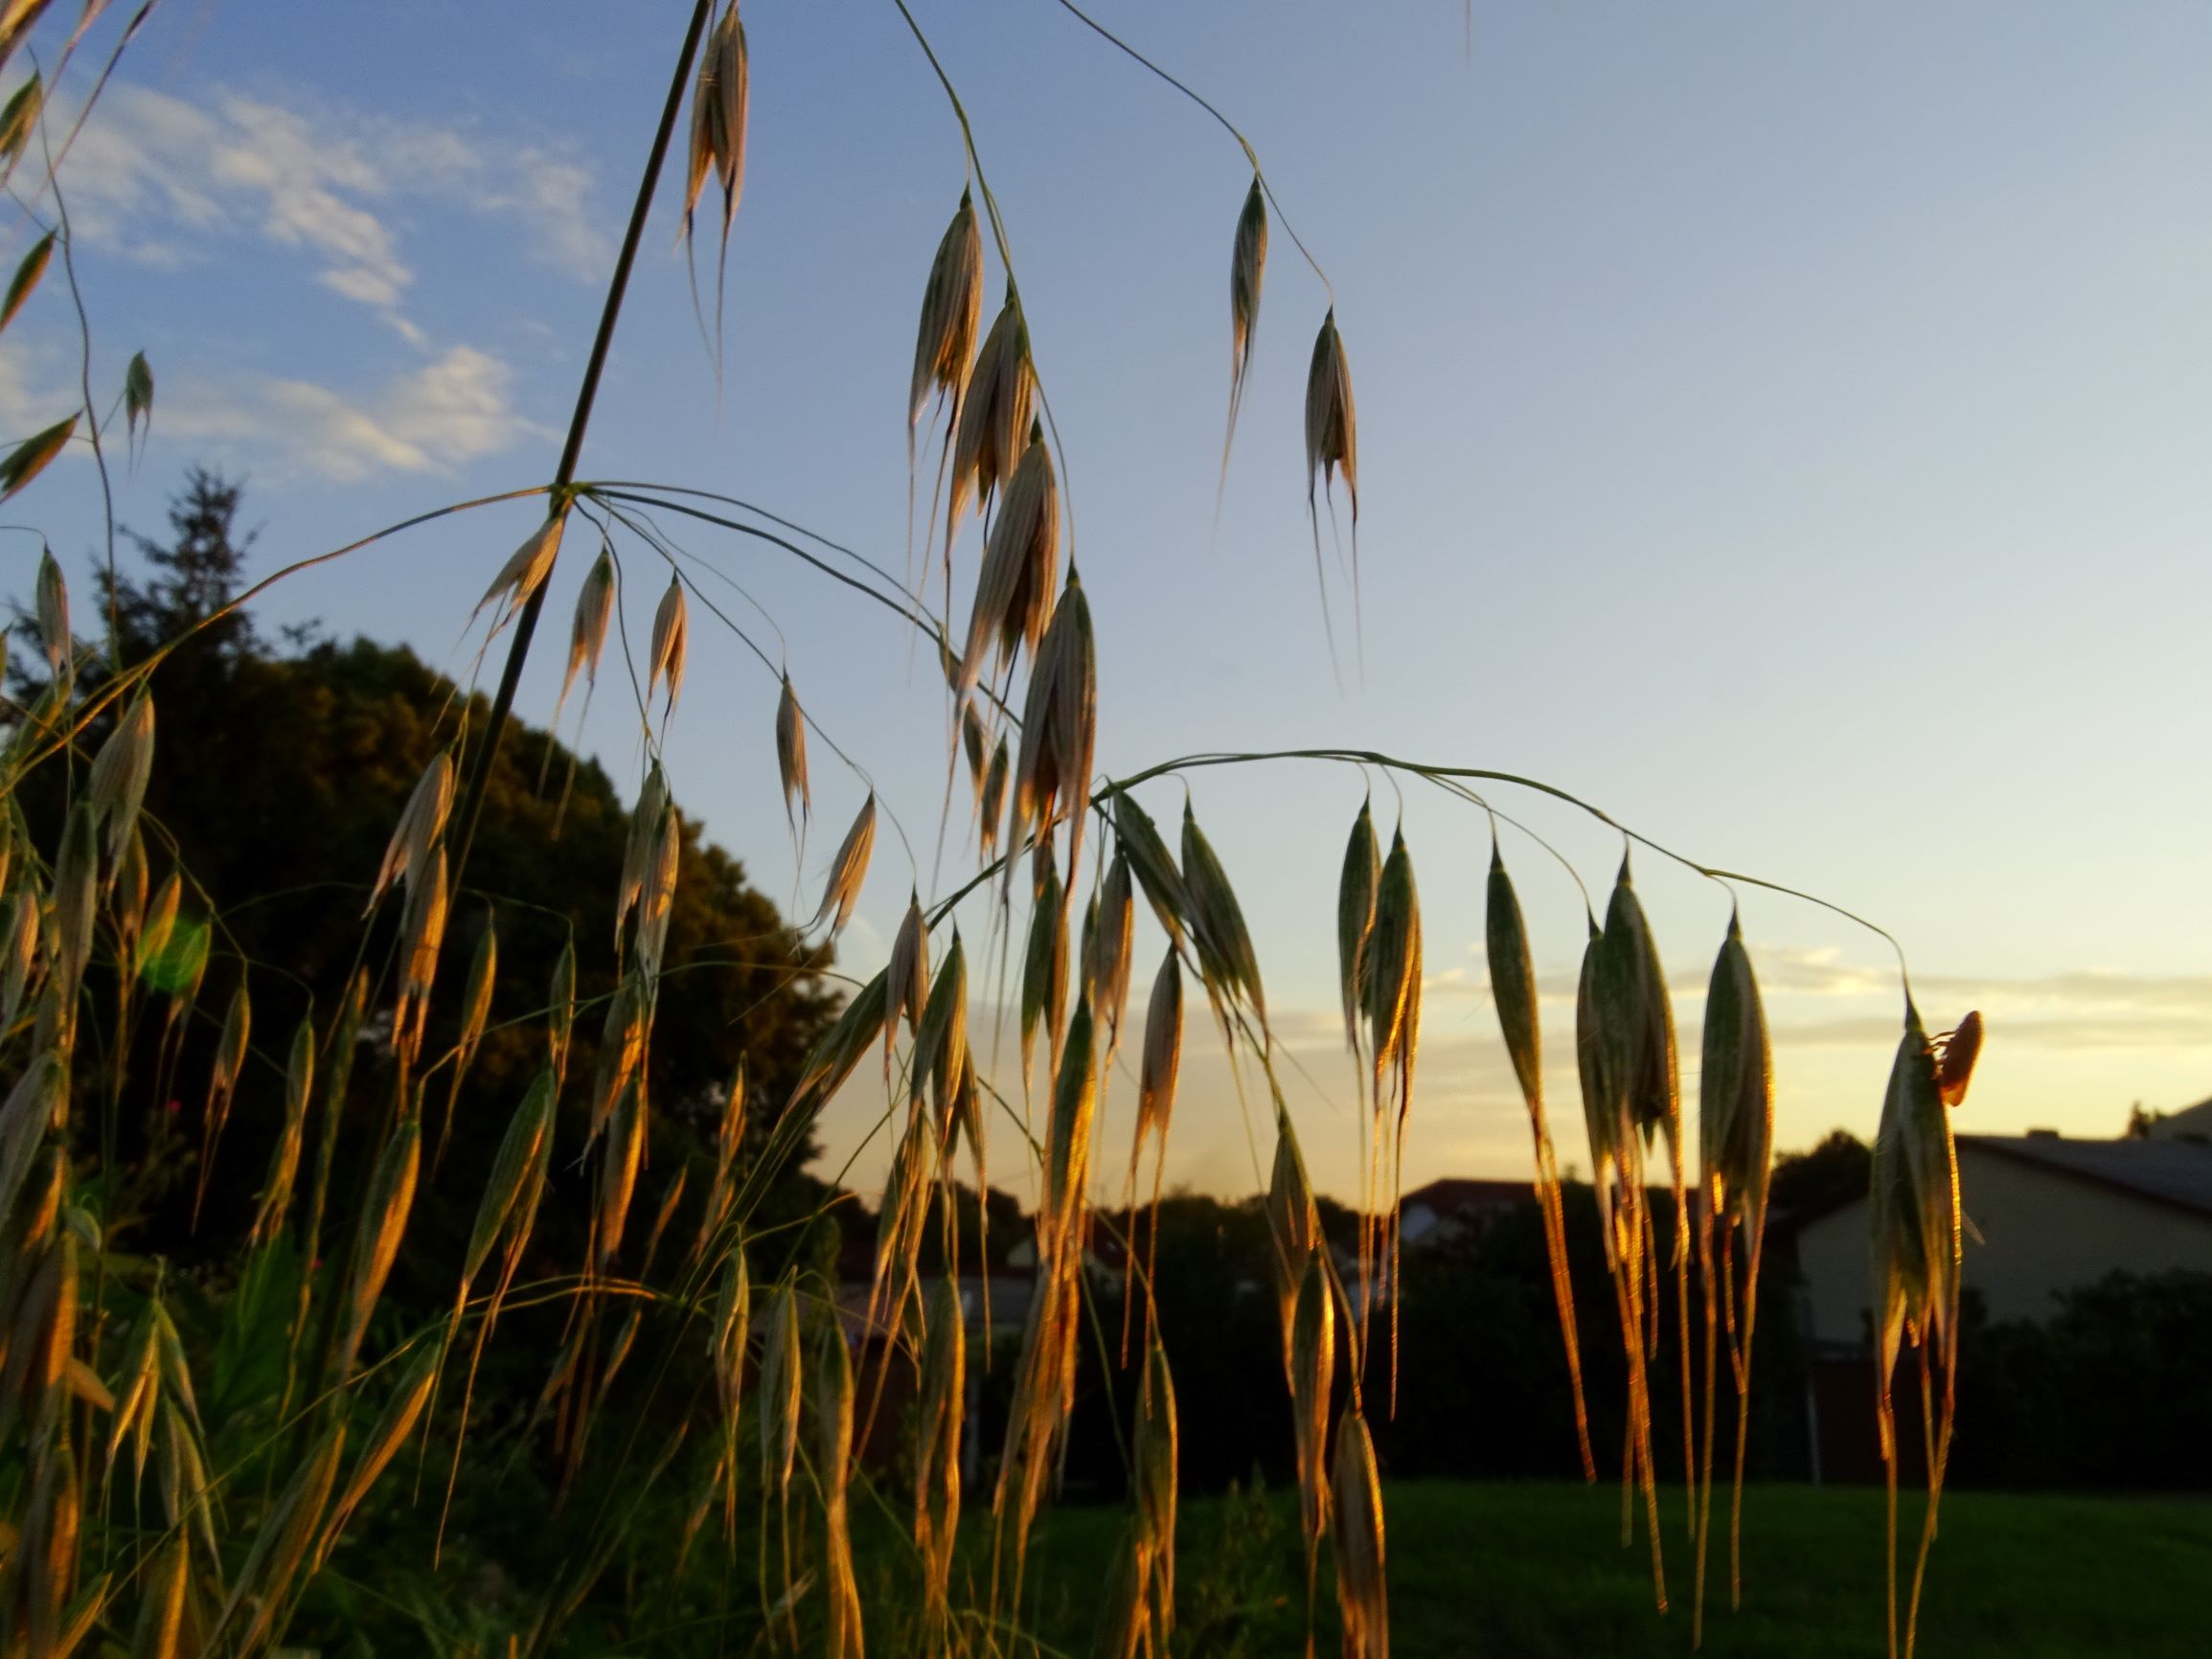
1780, 425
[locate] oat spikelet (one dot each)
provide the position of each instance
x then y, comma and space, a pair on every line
1332, 446
995, 415
720, 103
121, 771
671, 638
524, 573
53, 605
937, 1455
847, 871
402, 1411
951, 312
791, 753
1356, 916
1247, 268
422, 821
384, 1213
1513, 989
1362, 1589
1217, 922
907, 982
1105, 965
833, 1458
1014, 591
588, 632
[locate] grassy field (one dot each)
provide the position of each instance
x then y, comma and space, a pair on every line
1506, 1571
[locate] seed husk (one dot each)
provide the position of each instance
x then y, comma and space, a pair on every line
422, 821
791, 753
847, 871
525, 571
671, 643
951, 312
385, 1212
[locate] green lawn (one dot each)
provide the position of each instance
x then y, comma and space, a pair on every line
1510, 1570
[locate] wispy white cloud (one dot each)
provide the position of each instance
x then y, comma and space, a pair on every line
166, 180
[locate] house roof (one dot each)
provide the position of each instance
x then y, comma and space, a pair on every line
1462, 1193
2189, 1123
2170, 1172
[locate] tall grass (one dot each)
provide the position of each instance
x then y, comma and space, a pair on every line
705, 1390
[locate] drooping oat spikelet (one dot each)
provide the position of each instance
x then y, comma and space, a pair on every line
847, 871
1014, 590
726, 1339
19, 118
940, 1040
1060, 729
1362, 1590
76, 909
1044, 970
1137, 836
422, 821
670, 642
1217, 921
658, 895
1247, 268
834, 1457
642, 843
126, 899
1391, 975
21, 947
384, 1211
1162, 1062
906, 979
276, 1199
729, 1141
402, 1411
622, 1045
588, 632
990, 799
28, 271
791, 752
720, 103
1356, 916
994, 417
422, 936
838, 1050
160, 1629
1332, 428
561, 1009
1512, 990
779, 1386
951, 312
1156, 1497
937, 1453
121, 771
53, 603
1106, 961
618, 1176
230, 1059
1736, 1143
524, 573
510, 1198
283, 1543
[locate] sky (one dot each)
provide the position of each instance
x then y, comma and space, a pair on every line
1780, 426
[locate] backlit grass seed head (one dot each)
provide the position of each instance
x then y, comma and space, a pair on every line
422, 821
1312, 1365
658, 894
719, 106
287, 1534
1247, 268
990, 801
838, 1050
1068, 1138
1736, 1088
121, 770
847, 871
941, 1039
671, 643
1060, 728
1593, 1064
1363, 1591
951, 313
1014, 591
791, 752
726, 1345
76, 902
995, 415
1391, 975
53, 605
588, 632
1154, 866
780, 1381
618, 1175
126, 901
641, 844
561, 1009
1355, 915
517, 1168
1044, 967
937, 1479
476, 993
1293, 1219
21, 944
421, 935
384, 1213
1217, 921
1163, 1055
402, 1411
622, 1044
524, 573
1332, 428
1633, 983
1106, 967
1513, 984
906, 981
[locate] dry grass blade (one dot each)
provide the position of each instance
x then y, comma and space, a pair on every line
847, 871
1363, 1591
791, 753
